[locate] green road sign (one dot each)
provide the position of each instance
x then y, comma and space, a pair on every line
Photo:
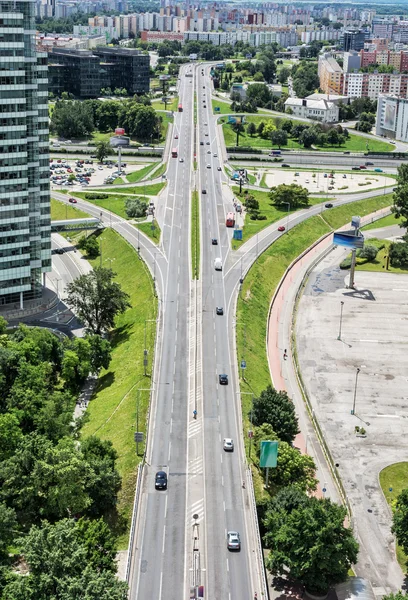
269, 454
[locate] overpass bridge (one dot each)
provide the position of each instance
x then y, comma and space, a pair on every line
76, 225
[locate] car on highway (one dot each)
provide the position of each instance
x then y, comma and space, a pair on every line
328, 205
208, 166
214, 242
204, 106
369, 164
208, 151
219, 169
233, 540
59, 251
378, 170
215, 155
205, 124
161, 480
228, 445
176, 137
218, 264
355, 168
297, 174
72, 200
223, 379
219, 310
344, 176
285, 165
181, 160
201, 143
281, 228
203, 191
362, 167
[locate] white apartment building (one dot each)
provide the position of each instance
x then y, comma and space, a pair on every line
319, 110
392, 117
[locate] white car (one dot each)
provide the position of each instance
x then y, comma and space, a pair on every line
228, 444
215, 155
208, 166
181, 159
233, 540
100, 168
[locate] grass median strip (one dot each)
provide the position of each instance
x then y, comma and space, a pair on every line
61, 211
195, 235
260, 284
140, 174
112, 411
151, 229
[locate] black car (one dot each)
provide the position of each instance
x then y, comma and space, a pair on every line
201, 143
285, 165
328, 205
223, 379
203, 191
219, 311
214, 242
219, 169
161, 480
59, 251
355, 168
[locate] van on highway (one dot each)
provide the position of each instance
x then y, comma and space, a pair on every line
218, 264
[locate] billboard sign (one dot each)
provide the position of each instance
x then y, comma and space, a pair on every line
269, 454
348, 239
119, 141
390, 115
355, 222
119, 131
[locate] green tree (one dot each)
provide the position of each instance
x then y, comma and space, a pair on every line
279, 137
276, 409
293, 196
259, 94
10, 434
72, 119
91, 247
294, 468
308, 137
135, 207
8, 527
397, 596
251, 129
332, 136
400, 519
364, 126
101, 352
250, 203
103, 150
139, 120
258, 76
260, 128
287, 125
369, 252
62, 564
284, 73
97, 299
238, 128
308, 542
107, 115
400, 207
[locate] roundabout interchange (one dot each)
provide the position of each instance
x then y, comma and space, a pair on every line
180, 538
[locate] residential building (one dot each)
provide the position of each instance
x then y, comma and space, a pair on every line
25, 229
159, 36
84, 73
319, 110
392, 117
330, 74
322, 35
330, 97
358, 85
351, 61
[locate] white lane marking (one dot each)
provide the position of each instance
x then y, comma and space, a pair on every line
171, 429
161, 584
168, 459
222, 480
165, 506
164, 538
227, 565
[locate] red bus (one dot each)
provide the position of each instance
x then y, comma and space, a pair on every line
180, 108
174, 153
230, 221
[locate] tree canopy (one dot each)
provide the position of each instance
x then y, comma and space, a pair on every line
97, 299
276, 409
308, 541
290, 196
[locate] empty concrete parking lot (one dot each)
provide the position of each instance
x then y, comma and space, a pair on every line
374, 339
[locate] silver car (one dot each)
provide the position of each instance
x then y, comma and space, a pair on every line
228, 444
233, 541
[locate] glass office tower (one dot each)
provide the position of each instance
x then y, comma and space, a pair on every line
25, 229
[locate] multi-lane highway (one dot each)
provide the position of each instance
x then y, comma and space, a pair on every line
180, 539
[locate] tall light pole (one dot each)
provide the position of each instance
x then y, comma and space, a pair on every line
341, 319
355, 392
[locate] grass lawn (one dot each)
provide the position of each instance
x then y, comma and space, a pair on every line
393, 480
150, 190
225, 108
153, 234
354, 143
271, 212
112, 411
115, 204
384, 222
140, 174
336, 217
172, 105
195, 235
259, 286
118, 181
61, 211
381, 263
162, 168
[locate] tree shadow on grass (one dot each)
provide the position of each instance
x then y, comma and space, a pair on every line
120, 335
105, 381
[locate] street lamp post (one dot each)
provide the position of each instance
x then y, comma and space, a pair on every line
341, 319
353, 411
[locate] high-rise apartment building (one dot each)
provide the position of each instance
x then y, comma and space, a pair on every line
25, 229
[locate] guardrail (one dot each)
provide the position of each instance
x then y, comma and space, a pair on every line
251, 492
134, 512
